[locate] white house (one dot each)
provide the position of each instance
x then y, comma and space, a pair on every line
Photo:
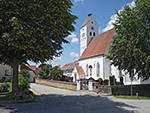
6, 71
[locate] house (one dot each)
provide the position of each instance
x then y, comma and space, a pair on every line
68, 68
5, 72
92, 62
33, 71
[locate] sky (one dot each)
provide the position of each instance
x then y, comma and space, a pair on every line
104, 14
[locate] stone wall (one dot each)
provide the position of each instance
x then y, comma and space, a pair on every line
61, 84
142, 90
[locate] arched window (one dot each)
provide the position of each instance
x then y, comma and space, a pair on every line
98, 69
87, 69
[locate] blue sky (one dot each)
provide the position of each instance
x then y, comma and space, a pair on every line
104, 13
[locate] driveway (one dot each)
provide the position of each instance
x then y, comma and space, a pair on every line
55, 100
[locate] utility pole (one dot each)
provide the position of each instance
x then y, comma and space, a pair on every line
49, 67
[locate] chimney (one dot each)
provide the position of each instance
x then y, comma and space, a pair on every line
90, 14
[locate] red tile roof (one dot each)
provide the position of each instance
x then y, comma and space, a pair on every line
69, 66
80, 70
98, 45
32, 68
85, 22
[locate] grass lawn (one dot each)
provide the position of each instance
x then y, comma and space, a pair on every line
56, 86
132, 97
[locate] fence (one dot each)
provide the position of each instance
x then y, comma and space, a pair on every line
142, 90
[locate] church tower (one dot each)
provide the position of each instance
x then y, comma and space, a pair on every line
88, 31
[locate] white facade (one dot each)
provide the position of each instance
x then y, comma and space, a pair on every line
101, 71
75, 75
5, 71
87, 32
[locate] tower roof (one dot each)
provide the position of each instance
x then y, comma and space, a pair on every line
86, 21
98, 45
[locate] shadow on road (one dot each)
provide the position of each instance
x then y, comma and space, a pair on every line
71, 104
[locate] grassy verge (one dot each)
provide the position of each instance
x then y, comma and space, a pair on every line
132, 97
55, 86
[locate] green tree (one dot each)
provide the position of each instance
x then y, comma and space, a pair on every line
56, 71
130, 48
44, 73
33, 30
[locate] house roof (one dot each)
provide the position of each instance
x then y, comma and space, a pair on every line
32, 68
98, 44
86, 21
80, 70
69, 66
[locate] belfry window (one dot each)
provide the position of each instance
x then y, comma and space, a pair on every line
94, 34
90, 33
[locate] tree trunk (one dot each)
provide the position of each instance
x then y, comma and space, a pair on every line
15, 88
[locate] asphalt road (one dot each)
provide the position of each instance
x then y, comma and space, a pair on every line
55, 100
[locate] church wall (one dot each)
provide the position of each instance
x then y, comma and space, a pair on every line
92, 61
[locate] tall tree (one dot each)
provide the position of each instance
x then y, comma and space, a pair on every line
56, 71
130, 48
33, 30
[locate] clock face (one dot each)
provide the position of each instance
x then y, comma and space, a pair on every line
92, 28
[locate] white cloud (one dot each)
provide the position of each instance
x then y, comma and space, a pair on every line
114, 17
75, 40
99, 30
73, 54
110, 23
55, 61
78, 1
72, 35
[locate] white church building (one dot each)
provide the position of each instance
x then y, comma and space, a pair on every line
93, 63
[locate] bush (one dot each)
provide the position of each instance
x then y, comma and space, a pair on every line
4, 87
24, 80
117, 83
112, 80
3, 79
100, 80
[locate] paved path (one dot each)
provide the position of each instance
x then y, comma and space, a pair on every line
55, 100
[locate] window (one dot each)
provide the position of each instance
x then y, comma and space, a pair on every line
92, 22
98, 69
83, 34
92, 28
94, 34
90, 33
82, 29
8, 72
87, 69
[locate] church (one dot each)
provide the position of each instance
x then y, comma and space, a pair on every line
93, 63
